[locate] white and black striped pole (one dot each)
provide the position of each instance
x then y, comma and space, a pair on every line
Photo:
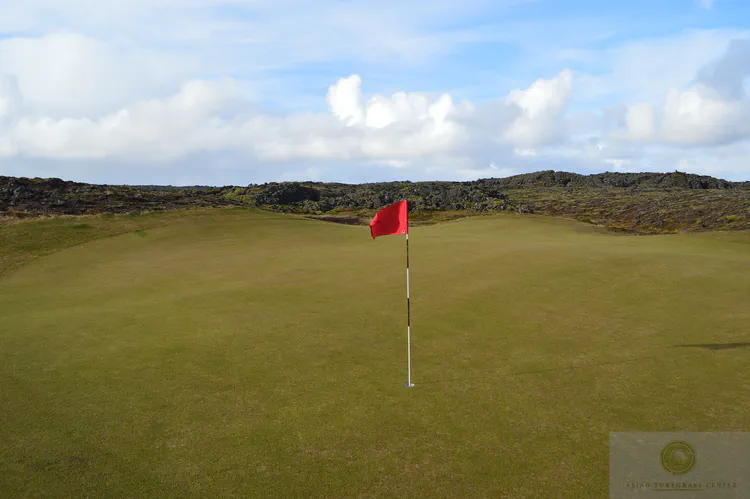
408, 314
394, 219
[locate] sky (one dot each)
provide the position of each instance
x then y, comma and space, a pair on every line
233, 92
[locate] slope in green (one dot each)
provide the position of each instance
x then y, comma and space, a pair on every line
244, 354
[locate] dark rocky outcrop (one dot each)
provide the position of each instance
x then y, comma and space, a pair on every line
647, 202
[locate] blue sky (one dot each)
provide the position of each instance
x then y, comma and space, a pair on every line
241, 91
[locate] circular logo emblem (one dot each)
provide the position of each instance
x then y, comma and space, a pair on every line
677, 458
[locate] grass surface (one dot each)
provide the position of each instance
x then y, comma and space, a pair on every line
235, 353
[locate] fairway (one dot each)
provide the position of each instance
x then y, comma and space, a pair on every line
239, 353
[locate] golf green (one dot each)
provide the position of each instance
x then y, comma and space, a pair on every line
235, 353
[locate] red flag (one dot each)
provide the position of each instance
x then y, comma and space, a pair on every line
392, 219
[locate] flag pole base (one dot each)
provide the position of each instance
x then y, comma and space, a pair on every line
409, 385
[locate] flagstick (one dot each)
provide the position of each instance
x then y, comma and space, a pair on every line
408, 314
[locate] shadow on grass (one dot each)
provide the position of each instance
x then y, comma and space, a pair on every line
715, 346
541, 371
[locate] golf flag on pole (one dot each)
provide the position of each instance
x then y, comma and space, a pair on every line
394, 219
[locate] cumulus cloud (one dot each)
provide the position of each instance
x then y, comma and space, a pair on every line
110, 104
694, 117
154, 129
699, 116
345, 100
728, 73
541, 106
711, 112
524, 128
210, 116
73, 75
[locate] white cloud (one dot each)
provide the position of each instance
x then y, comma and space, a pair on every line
694, 117
345, 100
113, 90
710, 112
492, 171
699, 116
155, 129
69, 74
645, 70
640, 121
541, 106
11, 102
209, 116
400, 130
618, 163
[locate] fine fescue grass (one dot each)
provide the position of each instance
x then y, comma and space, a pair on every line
235, 353
22, 240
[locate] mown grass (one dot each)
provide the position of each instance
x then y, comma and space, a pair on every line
416, 218
235, 353
23, 240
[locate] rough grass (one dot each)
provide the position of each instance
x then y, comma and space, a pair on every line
245, 354
642, 210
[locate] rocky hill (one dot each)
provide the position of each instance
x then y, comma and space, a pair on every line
641, 202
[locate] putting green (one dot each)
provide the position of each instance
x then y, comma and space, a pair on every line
247, 354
